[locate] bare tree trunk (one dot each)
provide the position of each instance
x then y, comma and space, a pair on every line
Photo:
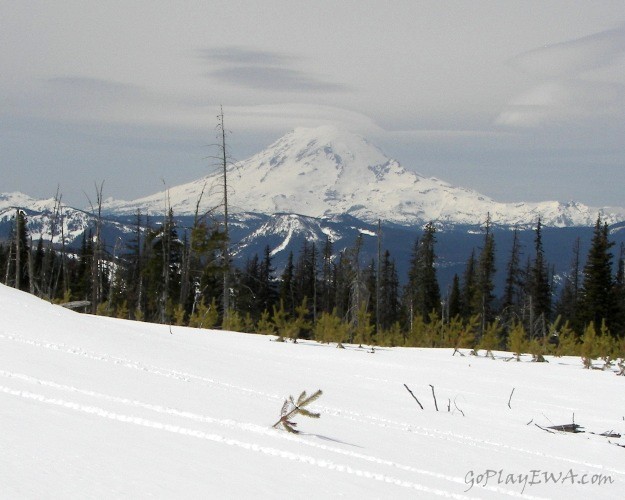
31, 271
226, 294
96, 274
18, 252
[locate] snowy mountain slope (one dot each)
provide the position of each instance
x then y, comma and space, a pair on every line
321, 172
97, 407
40, 215
46, 220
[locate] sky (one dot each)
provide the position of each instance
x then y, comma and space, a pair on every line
519, 100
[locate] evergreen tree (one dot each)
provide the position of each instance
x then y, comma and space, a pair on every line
469, 288
327, 287
454, 305
354, 278
19, 253
422, 294
597, 297
267, 293
248, 286
305, 275
389, 292
287, 286
162, 270
618, 320
514, 282
485, 276
539, 287
568, 303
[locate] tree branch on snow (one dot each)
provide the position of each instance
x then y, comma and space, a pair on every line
292, 408
415, 397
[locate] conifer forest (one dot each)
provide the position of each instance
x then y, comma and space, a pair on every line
185, 276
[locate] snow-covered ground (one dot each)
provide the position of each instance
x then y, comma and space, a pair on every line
94, 407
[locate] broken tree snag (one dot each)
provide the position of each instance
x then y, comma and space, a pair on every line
622, 369
415, 397
608, 434
434, 396
574, 428
456, 350
510, 399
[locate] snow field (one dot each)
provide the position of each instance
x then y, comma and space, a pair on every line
94, 407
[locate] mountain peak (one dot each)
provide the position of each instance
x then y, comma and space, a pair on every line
326, 171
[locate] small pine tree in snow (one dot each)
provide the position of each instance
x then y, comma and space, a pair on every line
265, 326
516, 340
491, 339
122, 310
233, 321
139, 316
606, 346
567, 341
362, 329
537, 349
179, 314
330, 328
588, 348
203, 316
292, 408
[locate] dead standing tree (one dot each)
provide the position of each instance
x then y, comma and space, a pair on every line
96, 263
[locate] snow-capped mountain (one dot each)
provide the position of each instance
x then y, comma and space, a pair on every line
323, 172
48, 219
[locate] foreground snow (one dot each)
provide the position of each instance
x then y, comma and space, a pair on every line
96, 407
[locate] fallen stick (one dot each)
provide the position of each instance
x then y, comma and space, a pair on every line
458, 408
434, 396
574, 428
510, 399
415, 397
544, 429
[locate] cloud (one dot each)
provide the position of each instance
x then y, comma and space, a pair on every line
73, 98
84, 88
577, 82
264, 70
574, 56
274, 79
240, 55
561, 101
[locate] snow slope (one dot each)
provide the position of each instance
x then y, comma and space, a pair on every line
325, 171
102, 408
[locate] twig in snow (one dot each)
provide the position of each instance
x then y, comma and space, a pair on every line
415, 397
510, 399
458, 408
434, 396
544, 429
608, 434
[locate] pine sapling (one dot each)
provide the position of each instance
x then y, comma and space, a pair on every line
292, 408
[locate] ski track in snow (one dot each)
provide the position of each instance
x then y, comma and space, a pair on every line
347, 414
254, 447
249, 427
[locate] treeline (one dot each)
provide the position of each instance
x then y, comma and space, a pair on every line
174, 275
